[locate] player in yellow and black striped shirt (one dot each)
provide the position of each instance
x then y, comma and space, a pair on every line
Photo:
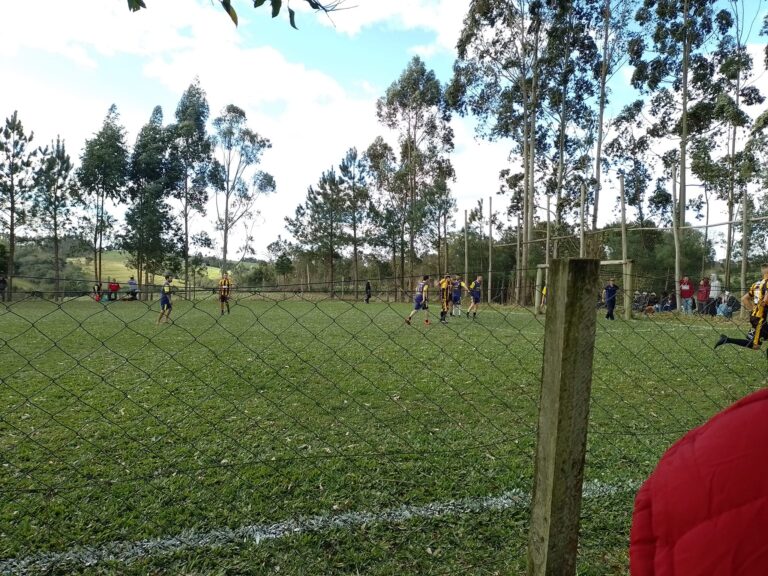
225, 289
446, 287
756, 300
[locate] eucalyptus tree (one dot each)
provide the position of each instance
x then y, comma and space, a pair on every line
498, 78
569, 62
612, 33
103, 175
353, 181
414, 107
16, 182
192, 148
731, 93
55, 195
318, 224
388, 206
237, 187
670, 65
151, 229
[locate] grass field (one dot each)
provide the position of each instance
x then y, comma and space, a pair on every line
320, 437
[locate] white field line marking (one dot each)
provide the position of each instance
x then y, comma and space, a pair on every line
127, 552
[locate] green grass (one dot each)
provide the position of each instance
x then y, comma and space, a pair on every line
113, 428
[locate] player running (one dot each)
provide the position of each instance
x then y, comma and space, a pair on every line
446, 287
225, 288
457, 286
165, 299
420, 300
476, 292
756, 300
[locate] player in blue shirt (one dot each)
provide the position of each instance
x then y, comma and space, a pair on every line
609, 297
420, 300
457, 285
476, 292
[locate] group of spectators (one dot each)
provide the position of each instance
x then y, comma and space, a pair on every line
113, 290
705, 299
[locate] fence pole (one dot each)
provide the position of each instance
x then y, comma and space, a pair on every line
490, 247
569, 339
629, 290
466, 250
537, 292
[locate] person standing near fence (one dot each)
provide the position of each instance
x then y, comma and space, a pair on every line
165, 299
420, 300
686, 295
133, 289
702, 297
609, 297
225, 288
756, 300
367, 291
3, 288
113, 287
715, 288
476, 293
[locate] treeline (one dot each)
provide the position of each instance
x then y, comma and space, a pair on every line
535, 74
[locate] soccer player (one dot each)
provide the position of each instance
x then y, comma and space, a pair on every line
225, 287
420, 300
609, 297
756, 300
446, 288
476, 292
165, 299
457, 286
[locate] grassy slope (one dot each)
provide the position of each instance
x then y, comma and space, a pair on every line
126, 430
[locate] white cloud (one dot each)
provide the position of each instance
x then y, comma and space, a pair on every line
75, 59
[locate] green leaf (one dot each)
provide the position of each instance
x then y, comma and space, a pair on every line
257, 3
276, 5
292, 17
135, 5
227, 5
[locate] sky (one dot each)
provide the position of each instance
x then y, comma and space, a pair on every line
312, 92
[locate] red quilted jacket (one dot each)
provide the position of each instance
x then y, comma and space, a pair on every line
704, 510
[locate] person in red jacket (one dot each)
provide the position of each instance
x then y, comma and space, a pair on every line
704, 509
114, 287
686, 294
702, 296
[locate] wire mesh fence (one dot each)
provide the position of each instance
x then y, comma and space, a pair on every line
304, 432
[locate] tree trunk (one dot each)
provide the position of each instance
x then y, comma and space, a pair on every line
226, 234
185, 213
601, 110
56, 262
12, 238
684, 118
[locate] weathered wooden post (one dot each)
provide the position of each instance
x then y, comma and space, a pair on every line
569, 339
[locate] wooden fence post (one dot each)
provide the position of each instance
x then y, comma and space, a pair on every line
569, 338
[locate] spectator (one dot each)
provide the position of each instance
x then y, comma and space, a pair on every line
686, 294
367, 291
97, 291
3, 288
113, 288
702, 297
723, 308
133, 289
653, 303
715, 289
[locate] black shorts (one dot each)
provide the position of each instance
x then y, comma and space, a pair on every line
759, 331
223, 298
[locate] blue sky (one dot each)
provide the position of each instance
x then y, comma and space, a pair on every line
311, 91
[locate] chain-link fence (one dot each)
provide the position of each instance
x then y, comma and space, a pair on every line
307, 433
